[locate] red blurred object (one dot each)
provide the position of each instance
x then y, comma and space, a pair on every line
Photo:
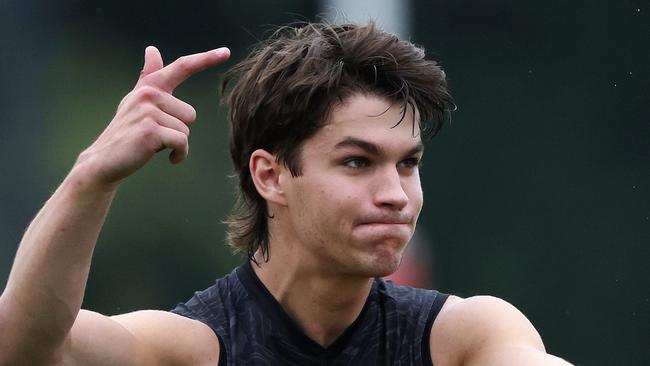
415, 269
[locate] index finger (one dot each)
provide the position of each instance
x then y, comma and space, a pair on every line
170, 76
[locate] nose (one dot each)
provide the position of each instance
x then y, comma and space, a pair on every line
389, 191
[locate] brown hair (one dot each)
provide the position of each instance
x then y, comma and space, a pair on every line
283, 92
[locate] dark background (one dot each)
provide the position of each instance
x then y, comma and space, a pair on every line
537, 192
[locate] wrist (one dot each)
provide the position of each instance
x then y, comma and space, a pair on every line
87, 175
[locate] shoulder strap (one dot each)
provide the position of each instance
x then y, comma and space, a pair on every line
437, 304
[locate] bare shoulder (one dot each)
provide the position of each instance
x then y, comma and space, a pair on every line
148, 337
479, 318
486, 330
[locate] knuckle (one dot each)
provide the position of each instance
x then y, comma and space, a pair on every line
180, 142
148, 111
191, 114
148, 93
185, 130
183, 63
148, 131
187, 116
148, 122
183, 140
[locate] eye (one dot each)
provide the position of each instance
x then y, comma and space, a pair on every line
410, 163
356, 162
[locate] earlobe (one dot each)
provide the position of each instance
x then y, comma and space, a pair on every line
265, 172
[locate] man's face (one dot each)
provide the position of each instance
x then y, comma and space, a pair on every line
355, 206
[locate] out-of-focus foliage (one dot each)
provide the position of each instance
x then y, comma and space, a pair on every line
538, 191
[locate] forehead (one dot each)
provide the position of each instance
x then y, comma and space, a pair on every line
370, 118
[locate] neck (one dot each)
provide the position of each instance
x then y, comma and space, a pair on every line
323, 304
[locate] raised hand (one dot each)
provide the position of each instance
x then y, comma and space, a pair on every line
149, 119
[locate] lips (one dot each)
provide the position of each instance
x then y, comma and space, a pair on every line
386, 219
393, 230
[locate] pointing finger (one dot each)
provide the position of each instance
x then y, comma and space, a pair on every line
169, 77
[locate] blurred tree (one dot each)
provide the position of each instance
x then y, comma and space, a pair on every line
539, 190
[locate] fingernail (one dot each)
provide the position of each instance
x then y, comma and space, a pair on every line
223, 51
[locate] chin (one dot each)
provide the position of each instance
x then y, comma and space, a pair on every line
380, 265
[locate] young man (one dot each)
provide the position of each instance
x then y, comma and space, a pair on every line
326, 139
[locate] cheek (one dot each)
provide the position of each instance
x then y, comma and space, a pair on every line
336, 206
324, 202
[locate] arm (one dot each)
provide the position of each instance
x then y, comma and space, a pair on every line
41, 302
484, 330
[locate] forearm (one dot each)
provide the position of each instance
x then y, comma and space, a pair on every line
46, 285
45, 289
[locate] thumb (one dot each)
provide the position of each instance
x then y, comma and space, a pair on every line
152, 61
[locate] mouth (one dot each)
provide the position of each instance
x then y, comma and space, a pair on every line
388, 220
387, 225
393, 230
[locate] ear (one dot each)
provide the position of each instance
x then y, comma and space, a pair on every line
266, 172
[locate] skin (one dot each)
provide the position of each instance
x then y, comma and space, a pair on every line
40, 318
346, 219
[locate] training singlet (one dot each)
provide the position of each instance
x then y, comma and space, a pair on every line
392, 329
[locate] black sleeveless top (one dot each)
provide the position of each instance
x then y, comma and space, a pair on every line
392, 329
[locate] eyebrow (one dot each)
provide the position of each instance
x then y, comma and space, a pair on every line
373, 148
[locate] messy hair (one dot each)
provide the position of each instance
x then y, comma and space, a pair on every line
282, 94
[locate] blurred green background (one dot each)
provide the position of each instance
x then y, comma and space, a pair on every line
538, 192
